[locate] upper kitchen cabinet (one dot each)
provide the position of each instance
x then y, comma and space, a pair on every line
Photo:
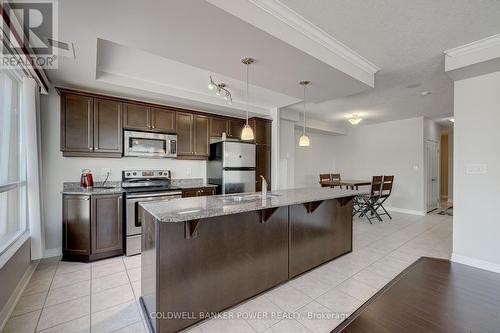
145, 118
136, 116
162, 120
90, 126
108, 126
235, 126
192, 136
77, 128
262, 130
218, 126
201, 139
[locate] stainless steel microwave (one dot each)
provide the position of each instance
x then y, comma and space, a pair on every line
149, 144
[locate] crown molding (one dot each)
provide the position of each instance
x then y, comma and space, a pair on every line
305, 27
476, 46
473, 59
280, 21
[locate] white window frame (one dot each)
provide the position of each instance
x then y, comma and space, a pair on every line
18, 239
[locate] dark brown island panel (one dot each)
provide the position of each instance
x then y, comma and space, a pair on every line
202, 266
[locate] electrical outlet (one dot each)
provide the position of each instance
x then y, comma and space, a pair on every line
476, 169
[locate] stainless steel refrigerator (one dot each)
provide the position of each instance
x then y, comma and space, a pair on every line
231, 166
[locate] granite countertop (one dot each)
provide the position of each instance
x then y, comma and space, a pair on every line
191, 183
74, 188
186, 209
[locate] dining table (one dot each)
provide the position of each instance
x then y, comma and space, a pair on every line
351, 184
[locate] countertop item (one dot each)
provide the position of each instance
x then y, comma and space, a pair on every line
75, 188
186, 209
190, 183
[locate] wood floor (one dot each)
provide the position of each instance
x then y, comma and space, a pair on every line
432, 295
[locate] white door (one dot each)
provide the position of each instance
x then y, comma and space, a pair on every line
432, 174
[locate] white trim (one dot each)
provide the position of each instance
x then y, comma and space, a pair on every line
276, 19
48, 253
406, 211
477, 263
12, 249
308, 29
6, 311
475, 46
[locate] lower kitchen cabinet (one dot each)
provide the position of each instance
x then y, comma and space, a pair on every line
92, 226
198, 192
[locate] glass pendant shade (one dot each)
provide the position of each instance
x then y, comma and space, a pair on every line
247, 133
304, 141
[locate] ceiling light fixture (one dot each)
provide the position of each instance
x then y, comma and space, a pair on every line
247, 133
304, 139
355, 119
425, 93
452, 120
220, 90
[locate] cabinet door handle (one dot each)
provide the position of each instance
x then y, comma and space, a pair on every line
153, 126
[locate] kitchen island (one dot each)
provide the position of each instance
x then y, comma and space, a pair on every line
205, 254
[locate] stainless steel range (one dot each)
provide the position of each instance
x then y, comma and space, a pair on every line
141, 186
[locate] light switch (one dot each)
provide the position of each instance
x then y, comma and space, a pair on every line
476, 169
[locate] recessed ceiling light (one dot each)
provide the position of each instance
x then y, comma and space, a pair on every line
414, 85
425, 93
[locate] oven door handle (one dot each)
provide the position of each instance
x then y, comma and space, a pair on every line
152, 195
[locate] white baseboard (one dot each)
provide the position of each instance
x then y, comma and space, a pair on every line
406, 211
16, 294
52, 252
477, 263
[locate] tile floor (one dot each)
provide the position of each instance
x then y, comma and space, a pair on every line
102, 296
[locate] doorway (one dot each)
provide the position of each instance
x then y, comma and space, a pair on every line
432, 175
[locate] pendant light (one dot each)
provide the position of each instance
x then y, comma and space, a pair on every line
247, 133
304, 139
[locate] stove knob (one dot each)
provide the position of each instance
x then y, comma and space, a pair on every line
161, 173
135, 173
128, 173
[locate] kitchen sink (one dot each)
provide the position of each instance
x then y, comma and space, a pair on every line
104, 187
247, 197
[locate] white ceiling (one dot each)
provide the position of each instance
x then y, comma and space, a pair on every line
406, 39
163, 51
166, 50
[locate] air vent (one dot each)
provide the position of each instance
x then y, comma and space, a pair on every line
62, 49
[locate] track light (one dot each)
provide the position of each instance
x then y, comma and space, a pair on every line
220, 90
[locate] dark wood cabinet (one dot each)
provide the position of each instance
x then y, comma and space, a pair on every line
136, 116
92, 226
108, 126
201, 139
192, 136
77, 128
261, 130
235, 126
184, 129
106, 223
198, 192
162, 120
91, 126
262, 133
76, 228
262, 166
218, 126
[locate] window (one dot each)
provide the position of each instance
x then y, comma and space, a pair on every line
13, 194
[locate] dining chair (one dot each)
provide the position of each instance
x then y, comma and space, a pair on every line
324, 179
385, 193
369, 201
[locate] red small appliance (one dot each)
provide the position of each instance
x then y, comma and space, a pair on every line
86, 179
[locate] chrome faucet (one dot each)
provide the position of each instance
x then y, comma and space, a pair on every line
264, 188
